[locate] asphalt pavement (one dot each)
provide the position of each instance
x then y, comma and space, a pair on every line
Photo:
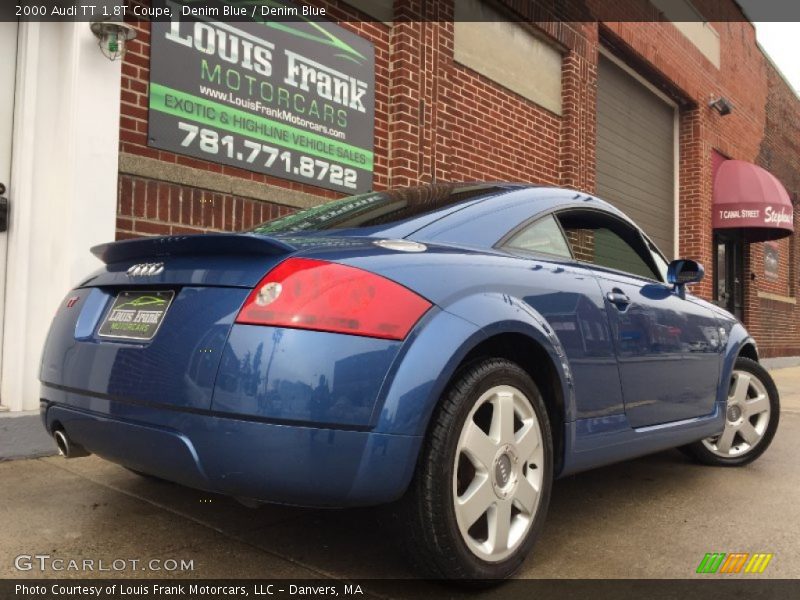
654, 517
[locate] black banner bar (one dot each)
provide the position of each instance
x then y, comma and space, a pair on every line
281, 589
431, 10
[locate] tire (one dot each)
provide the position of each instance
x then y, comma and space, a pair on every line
463, 437
751, 419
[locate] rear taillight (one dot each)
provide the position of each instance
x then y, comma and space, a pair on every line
313, 294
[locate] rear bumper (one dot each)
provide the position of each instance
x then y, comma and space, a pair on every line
242, 457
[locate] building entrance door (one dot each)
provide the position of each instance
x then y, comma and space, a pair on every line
729, 273
8, 73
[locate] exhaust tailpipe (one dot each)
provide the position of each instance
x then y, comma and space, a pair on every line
66, 447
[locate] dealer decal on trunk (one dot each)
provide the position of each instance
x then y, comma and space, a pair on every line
136, 315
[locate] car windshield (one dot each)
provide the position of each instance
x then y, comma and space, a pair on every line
377, 208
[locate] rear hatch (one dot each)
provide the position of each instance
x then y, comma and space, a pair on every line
151, 325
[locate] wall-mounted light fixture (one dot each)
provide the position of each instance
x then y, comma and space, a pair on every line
113, 37
721, 105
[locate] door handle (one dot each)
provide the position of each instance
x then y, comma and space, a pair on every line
618, 298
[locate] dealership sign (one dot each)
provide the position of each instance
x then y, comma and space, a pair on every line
292, 98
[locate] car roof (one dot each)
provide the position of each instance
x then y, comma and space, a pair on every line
480, 224
437, 207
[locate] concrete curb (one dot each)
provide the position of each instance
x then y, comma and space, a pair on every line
22, 435
782, 362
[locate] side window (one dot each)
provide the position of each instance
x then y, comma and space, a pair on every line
543, 235
602, 240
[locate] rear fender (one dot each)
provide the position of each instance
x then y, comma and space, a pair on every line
428, 363
497, 313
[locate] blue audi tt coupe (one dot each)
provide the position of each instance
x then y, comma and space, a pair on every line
452, 347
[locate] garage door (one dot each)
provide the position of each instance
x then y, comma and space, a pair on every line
635, 153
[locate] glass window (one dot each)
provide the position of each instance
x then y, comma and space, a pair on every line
378, 208
605, 241
542, 236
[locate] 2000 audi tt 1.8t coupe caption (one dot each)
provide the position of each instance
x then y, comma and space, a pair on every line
451, 347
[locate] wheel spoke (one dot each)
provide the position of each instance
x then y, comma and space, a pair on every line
748, 432
526, 496
479, 447
475, 501
726, 440
757, 405
740, 386
502, 428
500, 525
527, 440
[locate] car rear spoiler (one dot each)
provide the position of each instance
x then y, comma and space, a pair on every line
197, 245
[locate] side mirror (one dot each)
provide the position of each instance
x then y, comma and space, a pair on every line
682, 272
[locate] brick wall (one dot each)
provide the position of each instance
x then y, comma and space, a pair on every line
443, 122
776, 324
150, 207
764, 128
439, 120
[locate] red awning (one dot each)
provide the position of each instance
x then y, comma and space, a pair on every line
750, 199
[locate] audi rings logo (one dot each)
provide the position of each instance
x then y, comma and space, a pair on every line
146, 269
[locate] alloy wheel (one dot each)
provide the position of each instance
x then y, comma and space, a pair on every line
747, 417
498, 473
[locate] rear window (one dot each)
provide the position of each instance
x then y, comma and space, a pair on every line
377, 208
